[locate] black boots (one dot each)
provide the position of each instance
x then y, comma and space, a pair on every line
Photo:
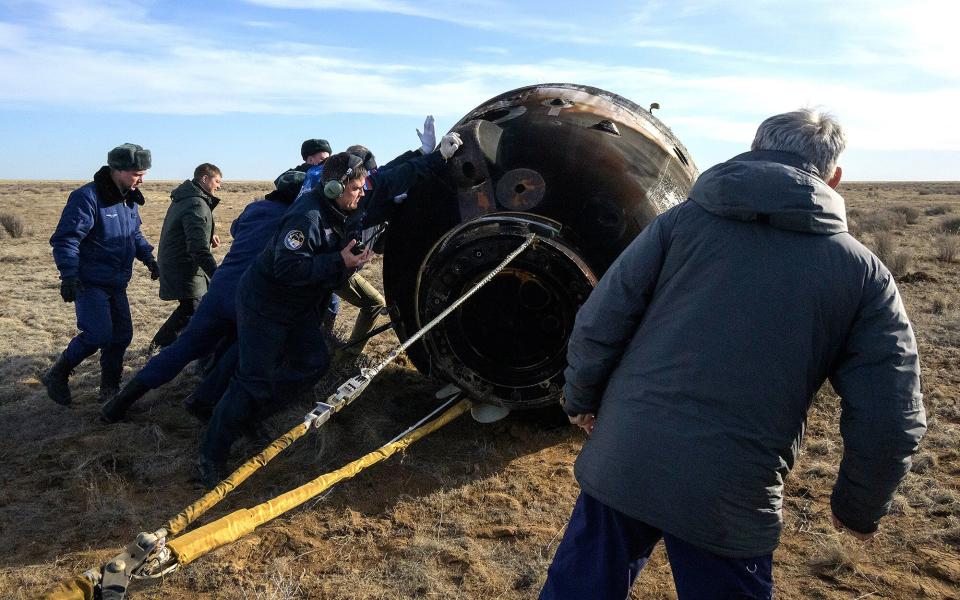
114, 409
109, 382
56, 381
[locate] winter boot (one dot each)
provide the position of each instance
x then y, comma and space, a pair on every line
56, 380
209, 472
109, 383
115, 408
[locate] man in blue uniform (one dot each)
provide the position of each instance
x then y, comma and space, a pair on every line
215, 321
282, 296
94, 245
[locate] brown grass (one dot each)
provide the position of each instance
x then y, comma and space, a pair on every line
473, 511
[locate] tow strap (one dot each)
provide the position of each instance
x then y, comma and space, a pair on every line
151, 555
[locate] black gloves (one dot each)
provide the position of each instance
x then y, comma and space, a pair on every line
154, 270
69, 288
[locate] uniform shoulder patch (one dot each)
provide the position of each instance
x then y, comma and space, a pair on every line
294, 239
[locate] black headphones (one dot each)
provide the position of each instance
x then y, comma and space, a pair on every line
334, 188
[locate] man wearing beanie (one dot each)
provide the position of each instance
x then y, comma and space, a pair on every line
94, 245
186, 260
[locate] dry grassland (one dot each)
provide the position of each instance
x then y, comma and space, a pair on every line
473, 511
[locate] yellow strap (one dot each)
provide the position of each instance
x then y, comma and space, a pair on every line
196, 543
211, 498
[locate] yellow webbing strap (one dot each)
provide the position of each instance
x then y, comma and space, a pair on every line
78, 588
232, 527
210, 499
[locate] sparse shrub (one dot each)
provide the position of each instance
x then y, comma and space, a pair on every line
883, 246
939, 306
853, 226
910, 213
881, 220
12, 223
835, 558
940, 209
950, 226
948, 246
900, 263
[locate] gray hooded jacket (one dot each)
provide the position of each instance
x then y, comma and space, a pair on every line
702, 346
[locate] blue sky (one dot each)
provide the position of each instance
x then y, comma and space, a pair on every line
241, 84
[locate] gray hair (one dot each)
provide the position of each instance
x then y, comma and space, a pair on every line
813, 135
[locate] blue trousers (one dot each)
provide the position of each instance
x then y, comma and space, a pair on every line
204, 331
217, 380
273, 358
103, 318
603, 551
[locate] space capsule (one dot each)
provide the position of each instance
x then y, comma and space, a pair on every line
583, 168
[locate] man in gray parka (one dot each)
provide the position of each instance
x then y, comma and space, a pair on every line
185, 257
694, 361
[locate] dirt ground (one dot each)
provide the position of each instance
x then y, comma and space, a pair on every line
472, 511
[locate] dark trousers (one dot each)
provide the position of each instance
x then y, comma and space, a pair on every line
176, 322
216, 381
202, 335
103, 318
603, 551
273, 357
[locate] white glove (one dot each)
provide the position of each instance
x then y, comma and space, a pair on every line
449, 144
428, 139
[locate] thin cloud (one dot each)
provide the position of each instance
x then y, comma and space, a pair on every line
53, 66
464, 13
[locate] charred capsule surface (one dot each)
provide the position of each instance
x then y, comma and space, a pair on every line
583, 168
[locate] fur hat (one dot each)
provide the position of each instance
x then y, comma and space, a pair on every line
290, 181
311, 147
129, 157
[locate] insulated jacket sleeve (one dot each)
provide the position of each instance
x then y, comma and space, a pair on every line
882, 416
78, 217
402, 158
609, 318
144, 249
301, 256
197, 230
396, 179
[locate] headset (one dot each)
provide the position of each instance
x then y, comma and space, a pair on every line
334, 188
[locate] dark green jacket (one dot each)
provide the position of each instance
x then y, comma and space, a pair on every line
186, 263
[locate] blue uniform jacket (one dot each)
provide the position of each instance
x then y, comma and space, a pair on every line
250, 231
301, 265
99, 235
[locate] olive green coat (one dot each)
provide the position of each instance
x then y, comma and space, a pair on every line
186, 263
